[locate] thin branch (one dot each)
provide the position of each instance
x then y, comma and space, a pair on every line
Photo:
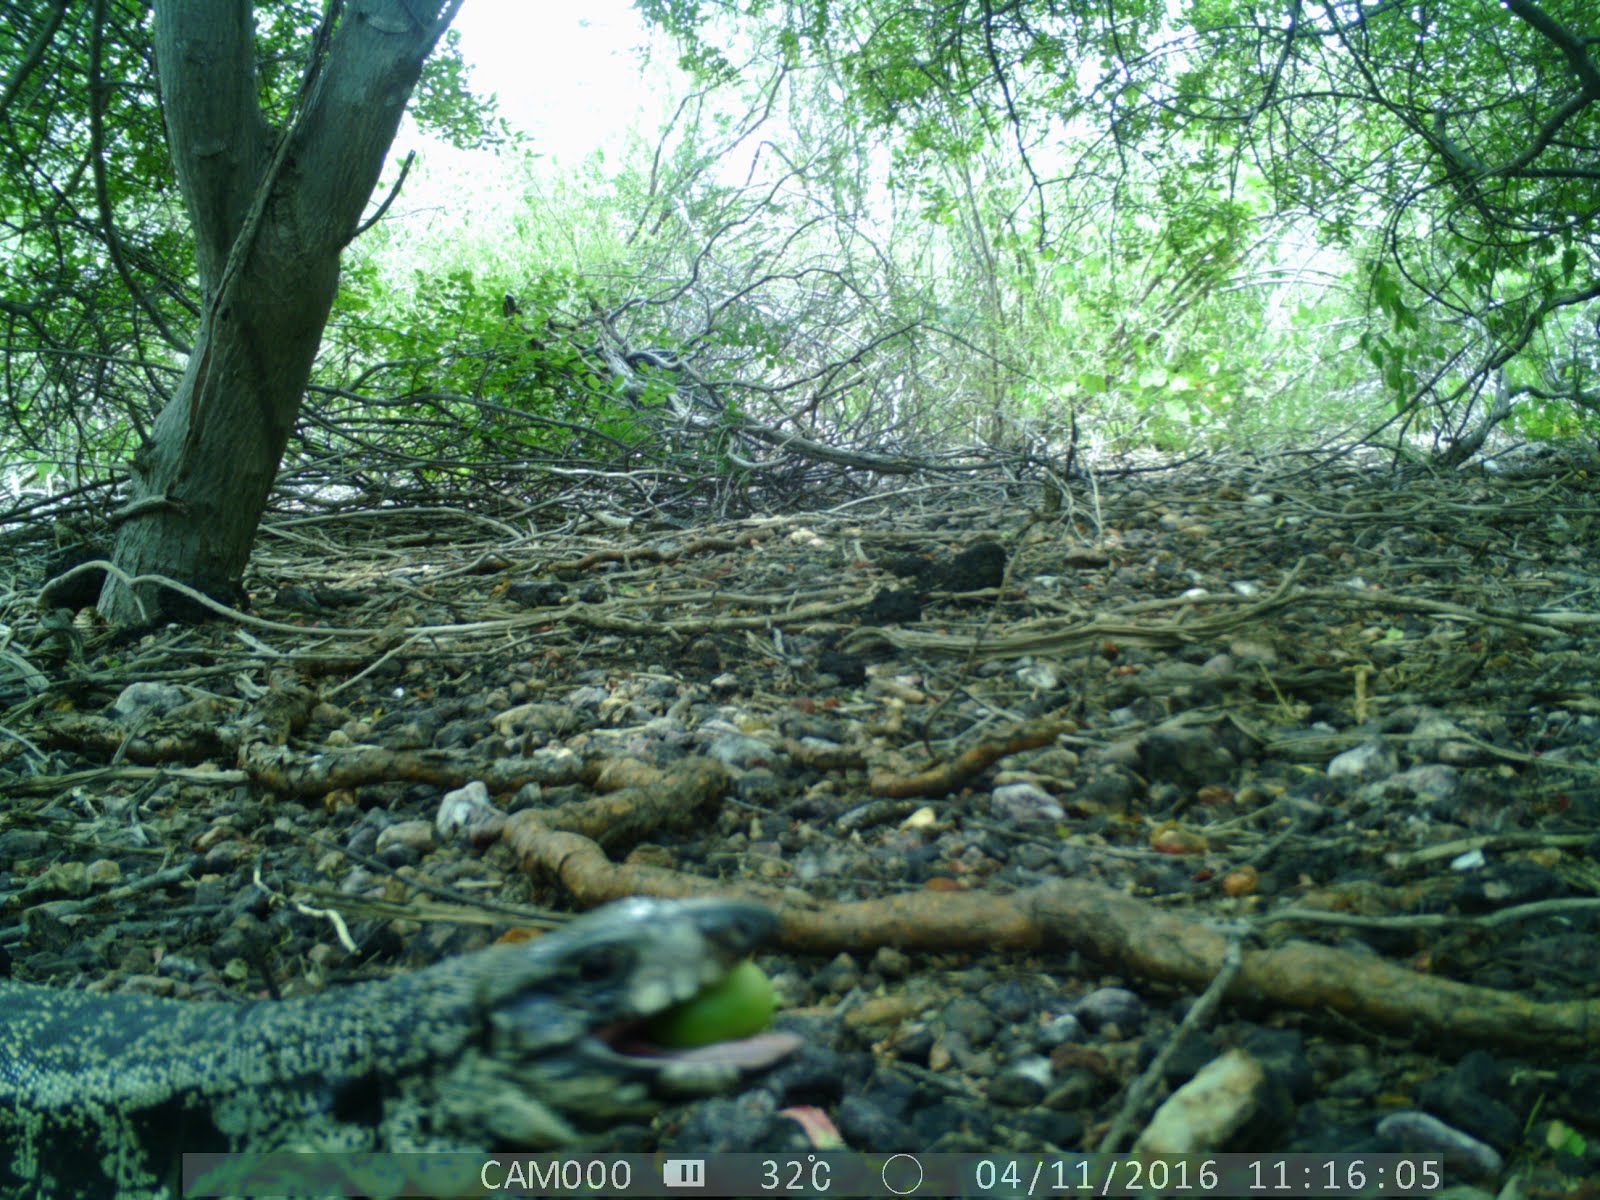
1564, 40
102, 192
35, 54
394, 192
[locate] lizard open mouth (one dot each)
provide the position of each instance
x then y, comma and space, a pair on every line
722, 1026
640, 1002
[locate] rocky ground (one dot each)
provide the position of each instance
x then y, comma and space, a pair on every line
1317, 748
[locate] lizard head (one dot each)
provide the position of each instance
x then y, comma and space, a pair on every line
559, 1047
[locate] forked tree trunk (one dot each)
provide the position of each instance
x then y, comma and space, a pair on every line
270, 220
201, 484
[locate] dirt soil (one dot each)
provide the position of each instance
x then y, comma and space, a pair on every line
1279, 787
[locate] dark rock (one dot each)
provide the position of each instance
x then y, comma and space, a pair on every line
1053, 1127
536, 593
838, 976
18, 844
970, 1018
894, 1093
43, 931
1321, 1127
865, 1123
454, 735
704, 653
1282, 1054
849, 669
975, 569
815, 1074
1108, 789
892, 607
334, 597
906, 566
1469, 1098
245, 938
914, 1044
1010, 1000
952, 1127
1187, 755
1194, 1052
746, 1123
762, 787
1580, 1085
397, 855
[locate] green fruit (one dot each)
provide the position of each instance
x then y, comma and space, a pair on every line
739, 1004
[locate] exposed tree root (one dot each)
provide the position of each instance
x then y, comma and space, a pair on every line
1122, 931
947, 777
1155, 944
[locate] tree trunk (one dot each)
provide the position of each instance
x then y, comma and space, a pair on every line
271, 218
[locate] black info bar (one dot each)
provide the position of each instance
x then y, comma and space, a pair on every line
815, 1175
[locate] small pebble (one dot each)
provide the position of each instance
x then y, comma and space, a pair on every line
1371, 760
1026, 802
1022, 1084
1111, 1006
416, 835
1413, 1130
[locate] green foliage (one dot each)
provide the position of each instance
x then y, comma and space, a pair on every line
422, 318
96, 314
1442, 155
1183, 223
445, 104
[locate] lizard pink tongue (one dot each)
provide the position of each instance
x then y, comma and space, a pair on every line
748, 1054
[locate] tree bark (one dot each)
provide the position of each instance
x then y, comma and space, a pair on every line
271, 215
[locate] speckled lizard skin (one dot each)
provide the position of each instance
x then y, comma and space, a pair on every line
101, 1094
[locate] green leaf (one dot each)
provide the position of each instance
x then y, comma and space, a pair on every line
1563, 1139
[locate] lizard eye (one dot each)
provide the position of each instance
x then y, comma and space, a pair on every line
603, 964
